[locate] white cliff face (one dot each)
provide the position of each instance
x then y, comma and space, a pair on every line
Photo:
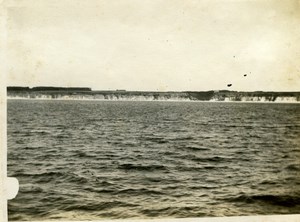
287, 99
279, 99
254, 99
113, 97
154, 97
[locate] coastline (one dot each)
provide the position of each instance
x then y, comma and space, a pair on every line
132, 100
87, 94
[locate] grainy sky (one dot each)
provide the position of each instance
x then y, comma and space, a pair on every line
160, 45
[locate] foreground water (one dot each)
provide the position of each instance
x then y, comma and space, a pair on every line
78, 160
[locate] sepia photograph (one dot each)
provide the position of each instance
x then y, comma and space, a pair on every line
139, 109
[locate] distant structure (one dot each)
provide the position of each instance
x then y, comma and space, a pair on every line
121, 90
48, 88
17, 88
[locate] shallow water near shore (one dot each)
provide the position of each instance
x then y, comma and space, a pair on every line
79, 160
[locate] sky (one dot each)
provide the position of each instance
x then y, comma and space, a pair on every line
155, 45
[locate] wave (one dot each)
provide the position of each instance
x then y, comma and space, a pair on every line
179, 212
97, 206
100, 190
159, 140
293, 167
216, 159
141, 191
278, 200
195, 148
129, 166
30, 189
40, 174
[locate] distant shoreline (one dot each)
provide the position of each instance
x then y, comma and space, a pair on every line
49, 89
123, 100
62, 93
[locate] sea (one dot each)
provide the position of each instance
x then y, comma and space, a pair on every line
92, 160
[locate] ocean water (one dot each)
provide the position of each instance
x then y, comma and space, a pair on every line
79, 160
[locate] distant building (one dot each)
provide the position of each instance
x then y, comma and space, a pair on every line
50, 88
17, 88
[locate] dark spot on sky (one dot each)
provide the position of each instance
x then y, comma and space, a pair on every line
245, 74
229, 85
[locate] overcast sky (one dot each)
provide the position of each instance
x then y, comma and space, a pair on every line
165, 45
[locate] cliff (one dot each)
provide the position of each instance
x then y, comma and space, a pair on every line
88, 94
